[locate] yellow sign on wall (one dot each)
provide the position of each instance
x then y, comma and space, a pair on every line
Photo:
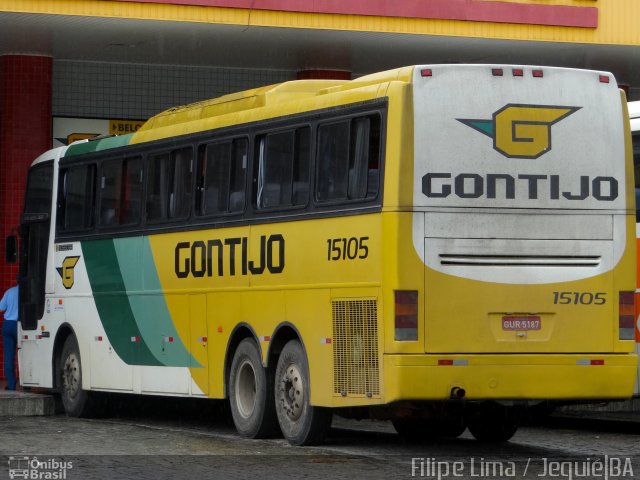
67, 130
123, 127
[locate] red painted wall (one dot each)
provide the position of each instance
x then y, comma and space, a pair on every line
466, 10
25, 133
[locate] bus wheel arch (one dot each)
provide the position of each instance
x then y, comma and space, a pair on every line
283, 333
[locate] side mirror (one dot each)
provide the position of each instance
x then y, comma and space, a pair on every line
11, 249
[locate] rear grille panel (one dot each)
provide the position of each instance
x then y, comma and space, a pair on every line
356, 369
520, 260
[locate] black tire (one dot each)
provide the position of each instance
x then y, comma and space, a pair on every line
76, 401
426, 429
300, 422
449, 427
251, 393
493, 423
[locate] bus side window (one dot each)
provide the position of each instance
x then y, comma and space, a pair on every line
131, 195
155, 203
332, 162
238, 175
110, 188
180, 186
348, 160
283, 169
215, 179
77, 198
120, 192
222, 177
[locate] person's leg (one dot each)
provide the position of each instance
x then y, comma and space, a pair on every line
9, 341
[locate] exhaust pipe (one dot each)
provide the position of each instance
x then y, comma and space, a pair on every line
457, 393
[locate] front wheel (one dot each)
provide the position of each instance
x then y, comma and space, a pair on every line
76, 401
300, 422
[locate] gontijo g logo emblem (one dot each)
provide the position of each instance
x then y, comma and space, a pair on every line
521, 131
66, 271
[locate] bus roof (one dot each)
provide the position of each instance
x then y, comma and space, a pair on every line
203, 115
237, 102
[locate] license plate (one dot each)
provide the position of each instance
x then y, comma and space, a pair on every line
521, 322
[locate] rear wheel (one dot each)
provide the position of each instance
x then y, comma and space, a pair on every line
76, 401
300, 422
493, 423
251, 393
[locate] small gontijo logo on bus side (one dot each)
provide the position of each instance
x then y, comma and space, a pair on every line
521, 131
66, 271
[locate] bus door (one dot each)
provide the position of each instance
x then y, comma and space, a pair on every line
35, 233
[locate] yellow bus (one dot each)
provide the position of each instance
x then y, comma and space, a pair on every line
634, 119
439, 245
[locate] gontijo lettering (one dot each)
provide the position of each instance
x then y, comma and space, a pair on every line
219, 257
530, 186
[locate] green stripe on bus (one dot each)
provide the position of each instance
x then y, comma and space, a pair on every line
149, 306
98, 145
113, 304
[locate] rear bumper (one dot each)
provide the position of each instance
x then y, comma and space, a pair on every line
543, 377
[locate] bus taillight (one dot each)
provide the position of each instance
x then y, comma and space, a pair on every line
406, 315
626, 316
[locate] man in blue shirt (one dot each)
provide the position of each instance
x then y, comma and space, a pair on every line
9, 305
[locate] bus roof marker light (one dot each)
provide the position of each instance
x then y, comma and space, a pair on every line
604, 79
538, 73
497, 72
518, 72
426, 72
